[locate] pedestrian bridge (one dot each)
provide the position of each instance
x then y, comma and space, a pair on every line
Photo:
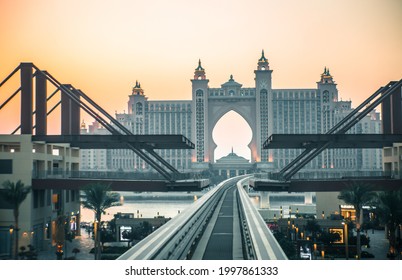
222, 225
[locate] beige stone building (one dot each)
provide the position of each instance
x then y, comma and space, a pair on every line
22, 159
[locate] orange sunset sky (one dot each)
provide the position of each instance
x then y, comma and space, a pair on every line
103, 47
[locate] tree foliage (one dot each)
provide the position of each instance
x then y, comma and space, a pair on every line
357, 195
313, 227
329, 237
389, 211
286, 245
15, 194
99, 197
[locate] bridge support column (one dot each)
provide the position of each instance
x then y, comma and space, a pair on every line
65, 112
40, 104
308, 198
70, 113
264, 201
26, 98
75, 115
391, 110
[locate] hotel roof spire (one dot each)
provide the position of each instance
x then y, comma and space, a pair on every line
263, 63
199, 68
199, 73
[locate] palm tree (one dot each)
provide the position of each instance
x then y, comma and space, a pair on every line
389, 210
15, 194
98, 197
313, 227
357, 194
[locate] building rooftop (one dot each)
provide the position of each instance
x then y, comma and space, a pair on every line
232, 158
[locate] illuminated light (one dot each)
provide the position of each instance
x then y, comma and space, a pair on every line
12, 150
195, 198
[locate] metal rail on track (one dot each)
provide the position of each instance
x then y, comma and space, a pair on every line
262, 245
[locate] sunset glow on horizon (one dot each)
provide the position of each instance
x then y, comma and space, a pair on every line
103, 47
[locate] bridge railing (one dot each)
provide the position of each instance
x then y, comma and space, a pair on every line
328, 174
260, 242
94, 174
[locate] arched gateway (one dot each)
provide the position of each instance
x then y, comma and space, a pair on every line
210, 104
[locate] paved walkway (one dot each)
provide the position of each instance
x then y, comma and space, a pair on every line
84, 243
378, 244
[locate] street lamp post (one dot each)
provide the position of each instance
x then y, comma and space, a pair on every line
11, 241
345, 229
315, 251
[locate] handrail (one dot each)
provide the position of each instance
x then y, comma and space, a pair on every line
264, 244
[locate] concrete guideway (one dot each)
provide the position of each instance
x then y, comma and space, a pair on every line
222, 238
221, 225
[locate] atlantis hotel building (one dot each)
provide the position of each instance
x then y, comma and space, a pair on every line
266, 110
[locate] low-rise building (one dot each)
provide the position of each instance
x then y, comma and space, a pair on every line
392, 160
25, 160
